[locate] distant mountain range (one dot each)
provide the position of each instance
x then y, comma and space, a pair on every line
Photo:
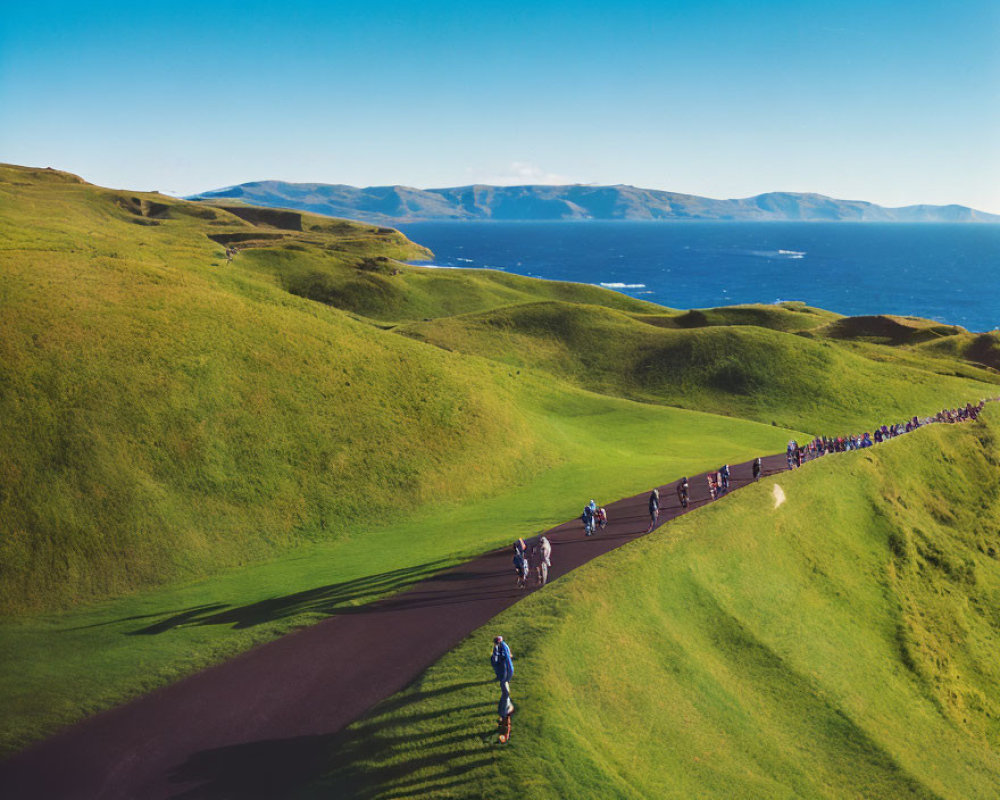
392, 204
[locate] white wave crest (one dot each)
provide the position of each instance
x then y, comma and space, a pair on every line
623, 285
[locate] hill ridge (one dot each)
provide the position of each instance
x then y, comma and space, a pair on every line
579, 202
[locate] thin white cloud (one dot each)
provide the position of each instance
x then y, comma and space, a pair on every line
518, 173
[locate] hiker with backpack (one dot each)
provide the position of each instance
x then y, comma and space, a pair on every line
521, 565
502, 662
587, 517
756, 468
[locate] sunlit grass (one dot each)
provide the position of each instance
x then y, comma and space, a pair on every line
842, 645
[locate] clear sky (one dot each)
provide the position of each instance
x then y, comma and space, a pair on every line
894, 102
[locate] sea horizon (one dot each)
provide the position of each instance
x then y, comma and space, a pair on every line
946, 272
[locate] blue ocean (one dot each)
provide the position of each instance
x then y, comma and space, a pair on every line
949, 273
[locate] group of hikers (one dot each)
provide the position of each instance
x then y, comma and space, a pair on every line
535, 561
718, 485
821, 445
592, 517
538, 559
718, 482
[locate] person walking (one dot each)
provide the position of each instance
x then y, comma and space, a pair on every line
724, 477
544, 555
654, 509
521, 566
588, 520
756, 468
683, 492
503, 666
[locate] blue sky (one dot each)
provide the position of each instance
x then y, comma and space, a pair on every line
894, 102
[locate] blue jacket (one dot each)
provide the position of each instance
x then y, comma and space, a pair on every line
502, 661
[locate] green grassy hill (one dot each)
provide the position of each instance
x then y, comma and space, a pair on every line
183, 433
219, 452
978, 348
171, 413
742, 362
840, 645
166, 413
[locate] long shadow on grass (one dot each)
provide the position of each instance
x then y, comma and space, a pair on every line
326, 600
387, 752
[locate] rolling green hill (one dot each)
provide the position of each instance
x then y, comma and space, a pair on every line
185, 433
744, 362
317, 423
840, 645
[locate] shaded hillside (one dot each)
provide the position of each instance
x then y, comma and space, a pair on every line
978, 348
705, 360
888, 329
840, 645
574, 202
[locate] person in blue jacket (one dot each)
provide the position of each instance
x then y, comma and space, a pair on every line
503, 666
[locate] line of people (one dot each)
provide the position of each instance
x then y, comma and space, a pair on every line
538, 559
796, 454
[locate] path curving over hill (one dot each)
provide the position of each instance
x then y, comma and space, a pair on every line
304, 686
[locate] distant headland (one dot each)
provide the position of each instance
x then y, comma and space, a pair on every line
394, 204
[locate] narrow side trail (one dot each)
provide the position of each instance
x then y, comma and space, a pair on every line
310, 683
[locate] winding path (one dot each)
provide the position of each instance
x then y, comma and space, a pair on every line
310, 683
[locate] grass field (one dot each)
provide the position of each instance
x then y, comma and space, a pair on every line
200, 455
727, 366
842, 645
98, 655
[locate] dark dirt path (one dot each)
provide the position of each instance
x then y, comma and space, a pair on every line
304, 686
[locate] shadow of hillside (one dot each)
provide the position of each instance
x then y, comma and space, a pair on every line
361, 762
327, 600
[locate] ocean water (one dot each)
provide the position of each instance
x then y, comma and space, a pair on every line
949, 273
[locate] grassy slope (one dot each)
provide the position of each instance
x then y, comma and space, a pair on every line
175, 418
97, 655
979, 348
400, 292
172, 417
842, 645
736, 369
169, 414
790, 316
